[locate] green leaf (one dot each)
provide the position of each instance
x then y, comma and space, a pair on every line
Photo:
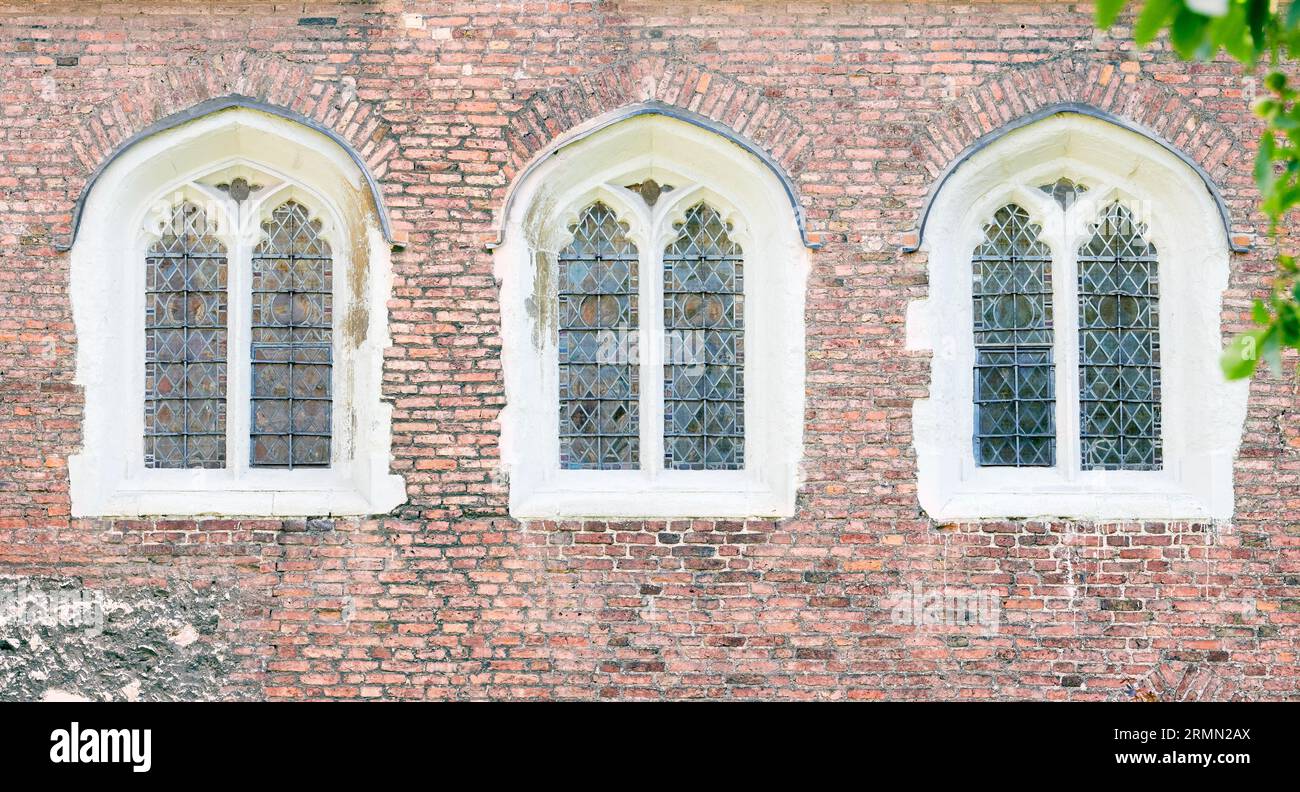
1270, 349
1264, 162
1107, 11
1258, 14
1152, 18
1286, 122
1288, 322
1259, 312
1231, 34
1241, 356
1187, 34
1280, 201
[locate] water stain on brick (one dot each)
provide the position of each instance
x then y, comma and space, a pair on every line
540, 304
1121, 605
747, 680
814, 654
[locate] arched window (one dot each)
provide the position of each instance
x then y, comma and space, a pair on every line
653, 274
1076, 274
1119, 345
704, 376
291, 350
1015, 399
229, 282
599, 393
185, 335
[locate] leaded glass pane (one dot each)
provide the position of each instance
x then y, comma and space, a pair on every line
1119, 346
185, 345
292, 343
704, 344
599, 387
1064, 191
1015, 393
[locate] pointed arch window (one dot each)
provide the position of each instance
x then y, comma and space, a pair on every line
185, 344
700, 362
1076, 275
292, 341
1117, 382
704, 302
671, 382
1015, 392
1119, 345
599, 393
285, 262
230, 286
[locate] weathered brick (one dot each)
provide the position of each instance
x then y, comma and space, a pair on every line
864, 104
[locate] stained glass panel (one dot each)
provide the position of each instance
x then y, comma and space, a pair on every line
185, 345
1015, 392
1119, 346
704, 378
599, 383
292, 335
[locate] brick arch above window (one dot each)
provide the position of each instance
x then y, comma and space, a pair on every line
1088, 111
748, 111
1133, 94
655, 108
755, 118
319, 97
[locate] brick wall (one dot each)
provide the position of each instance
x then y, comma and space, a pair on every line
448, 597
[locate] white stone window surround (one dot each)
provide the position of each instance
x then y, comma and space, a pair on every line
291, 161
1202, 414
701, 166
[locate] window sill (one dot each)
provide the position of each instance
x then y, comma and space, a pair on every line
1092, 506
359, 490
1192, 487
591, 495
1188, 492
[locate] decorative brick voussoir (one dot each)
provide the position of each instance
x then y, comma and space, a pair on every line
548, 114
1126, 89
331, 103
